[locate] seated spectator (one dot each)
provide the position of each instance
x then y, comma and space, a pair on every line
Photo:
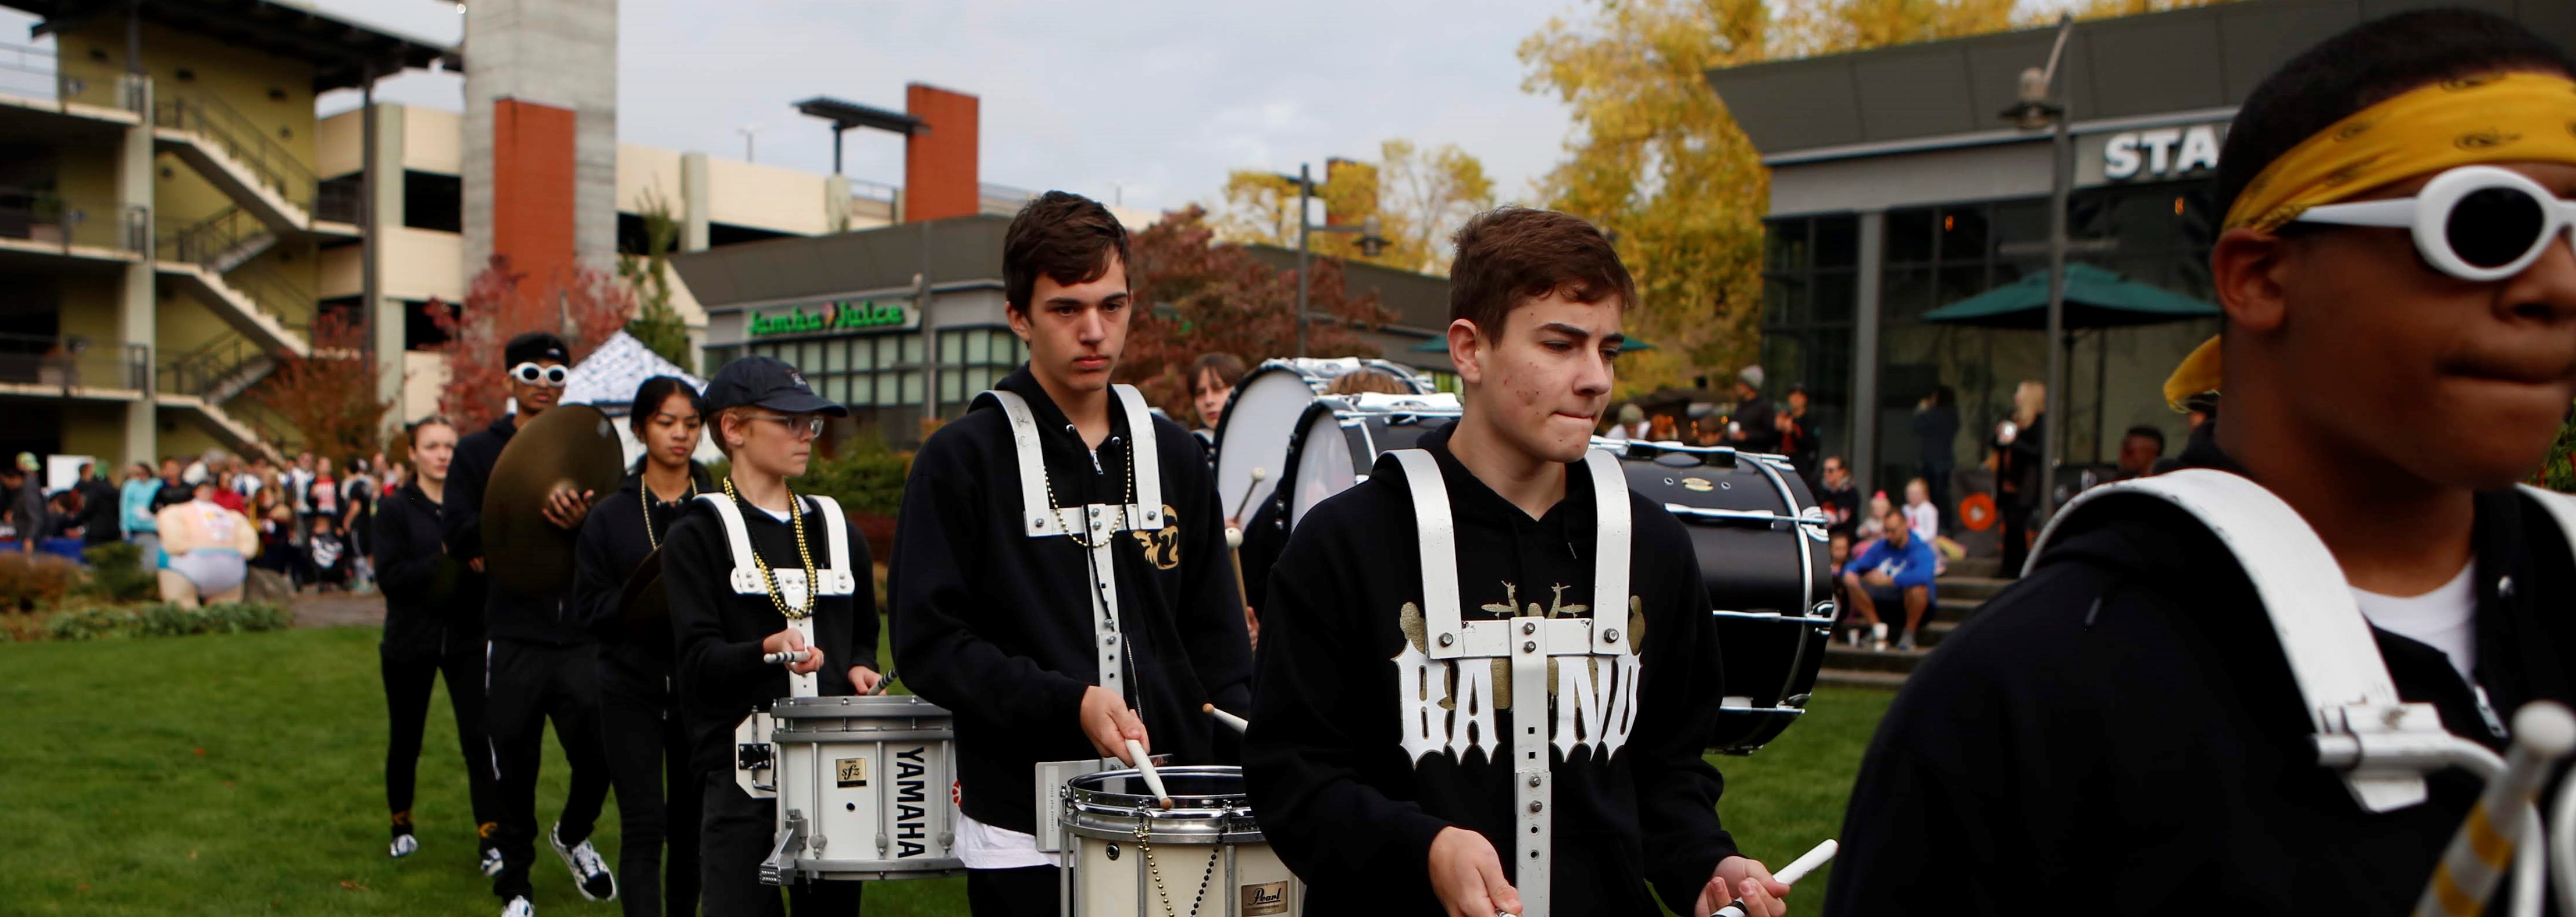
1873, 525
1838, 498
326, 555
1896, 571
2139, 451
1925, 520
1837, 555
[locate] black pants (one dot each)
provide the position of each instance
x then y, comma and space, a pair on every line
408, 678
530, 684
737, 833
644, 743
2016, 520
1029, 891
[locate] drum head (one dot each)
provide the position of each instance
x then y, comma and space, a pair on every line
1254, 433
1324, 465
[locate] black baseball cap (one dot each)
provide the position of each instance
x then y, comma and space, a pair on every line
534, 346
768, 383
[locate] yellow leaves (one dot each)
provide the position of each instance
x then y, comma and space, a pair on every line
1419, 196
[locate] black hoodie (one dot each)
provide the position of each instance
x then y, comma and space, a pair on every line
2118, 733
996, 626
613, 540
431, 602
507, 615
1352, 814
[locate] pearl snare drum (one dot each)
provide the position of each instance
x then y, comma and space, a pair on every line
1127, 856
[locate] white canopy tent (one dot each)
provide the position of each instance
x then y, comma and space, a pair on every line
608, 378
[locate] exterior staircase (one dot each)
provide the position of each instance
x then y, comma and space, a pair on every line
255, 171
1957, 595
202, 380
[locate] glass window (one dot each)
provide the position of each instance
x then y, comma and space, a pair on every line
1837, 241
1787, 248
911, 386
951, 384
1835, 296
1909, 236
952, 348
1963, 235
911, 344
831, 359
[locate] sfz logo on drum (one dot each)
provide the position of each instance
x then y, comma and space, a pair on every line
911, 802
1448, 705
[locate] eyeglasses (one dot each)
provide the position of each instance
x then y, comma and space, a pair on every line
810, 427
533, 374
2476, 223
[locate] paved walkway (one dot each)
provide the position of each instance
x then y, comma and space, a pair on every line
338, 609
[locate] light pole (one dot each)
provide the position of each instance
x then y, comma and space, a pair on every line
1370, 245
2033, 111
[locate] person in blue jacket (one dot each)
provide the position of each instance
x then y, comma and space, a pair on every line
1895, 570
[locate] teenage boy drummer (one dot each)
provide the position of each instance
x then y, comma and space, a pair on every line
1387, 752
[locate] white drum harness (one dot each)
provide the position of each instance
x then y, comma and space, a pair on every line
1100, 522
1527, 640
835, 576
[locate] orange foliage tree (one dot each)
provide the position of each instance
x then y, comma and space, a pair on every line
1195, 295
585, 305
329, 396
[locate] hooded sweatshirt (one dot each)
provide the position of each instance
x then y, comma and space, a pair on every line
1353, 813
2119, 733
996, 626
540, 619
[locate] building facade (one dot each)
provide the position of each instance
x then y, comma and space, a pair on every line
1897, 187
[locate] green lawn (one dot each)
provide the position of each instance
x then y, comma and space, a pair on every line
243, 774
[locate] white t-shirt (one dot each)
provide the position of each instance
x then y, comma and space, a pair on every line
1924, 519
2444, 619
983, 846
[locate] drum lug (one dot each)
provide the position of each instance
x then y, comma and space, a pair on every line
780, 867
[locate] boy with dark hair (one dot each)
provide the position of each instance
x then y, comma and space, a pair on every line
542, 663
1404, 757
2125, 731
1059, 577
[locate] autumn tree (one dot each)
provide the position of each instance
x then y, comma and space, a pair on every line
1195, 294
1419, 196
585, 305
328, 396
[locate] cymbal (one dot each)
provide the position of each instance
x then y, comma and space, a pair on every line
569, 446
644, 607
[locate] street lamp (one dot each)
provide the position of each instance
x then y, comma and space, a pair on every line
1370, 245
2032, 111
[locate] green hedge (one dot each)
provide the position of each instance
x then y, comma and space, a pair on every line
163, 619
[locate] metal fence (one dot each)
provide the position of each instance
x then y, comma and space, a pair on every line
44, 217
72, 363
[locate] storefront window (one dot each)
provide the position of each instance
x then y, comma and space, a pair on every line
971, 360
1810, 288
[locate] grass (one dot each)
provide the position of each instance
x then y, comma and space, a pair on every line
242, 774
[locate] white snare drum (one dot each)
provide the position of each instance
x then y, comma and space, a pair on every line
1127, 856
862, 785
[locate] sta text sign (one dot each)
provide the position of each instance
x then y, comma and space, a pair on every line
836, 315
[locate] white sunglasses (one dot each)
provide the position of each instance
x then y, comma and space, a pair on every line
2476, 223
533, 374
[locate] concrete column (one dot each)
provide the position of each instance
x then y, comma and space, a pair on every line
138, 318
694, 201
1865, 313
384, 189
836, 202
560, 54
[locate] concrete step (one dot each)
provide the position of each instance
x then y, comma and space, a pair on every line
1983, 567
1976, 589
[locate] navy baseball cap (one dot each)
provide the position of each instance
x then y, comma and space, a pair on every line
768, 383
534, 346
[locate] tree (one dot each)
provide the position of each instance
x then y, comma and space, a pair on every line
647, 273
1195, 294
585, 305
329, 396
1419, 196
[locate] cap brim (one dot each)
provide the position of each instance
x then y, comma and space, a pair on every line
802, 403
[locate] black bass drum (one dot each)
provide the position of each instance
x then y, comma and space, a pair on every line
1760, 539
1331, 446
1261, 417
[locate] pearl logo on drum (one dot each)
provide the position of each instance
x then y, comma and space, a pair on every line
1265, 898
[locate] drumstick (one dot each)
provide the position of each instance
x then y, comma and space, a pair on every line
789, 657
1259, 474
1231, 721
1790, 874
883, 682
1153, 778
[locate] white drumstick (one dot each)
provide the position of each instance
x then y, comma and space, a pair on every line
789, 657
1231, 721
1259, 474
1145, 766
1790, 874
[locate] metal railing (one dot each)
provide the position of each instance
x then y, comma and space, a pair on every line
31, 72
43, 216
217, 370
286, 301
228, 130
221, 241
73, 363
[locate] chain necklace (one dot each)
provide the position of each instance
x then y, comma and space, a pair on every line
644, 493
1209, 875
769, 578
1069, 528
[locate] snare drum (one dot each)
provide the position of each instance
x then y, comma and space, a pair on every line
862, 786
1760, 540
1261, 417
1127, 856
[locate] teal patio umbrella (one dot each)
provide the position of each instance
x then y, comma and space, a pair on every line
2095, 298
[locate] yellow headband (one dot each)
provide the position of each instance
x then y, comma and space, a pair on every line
2501, 117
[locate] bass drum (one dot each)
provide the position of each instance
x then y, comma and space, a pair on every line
1261, 417
1331, 446
1760, 539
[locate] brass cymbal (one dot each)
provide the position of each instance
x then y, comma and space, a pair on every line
644, 608
569, 446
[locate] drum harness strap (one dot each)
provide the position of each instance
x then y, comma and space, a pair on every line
2383, 745
752, 576
1143, 511
1527, 641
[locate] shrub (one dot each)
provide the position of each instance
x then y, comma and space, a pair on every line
117, 574
30, 581
164, 619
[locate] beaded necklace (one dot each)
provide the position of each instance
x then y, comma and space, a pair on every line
769, 578
644, 493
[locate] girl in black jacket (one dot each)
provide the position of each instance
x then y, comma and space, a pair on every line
427, 632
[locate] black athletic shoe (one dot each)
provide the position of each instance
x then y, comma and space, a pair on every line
589, 872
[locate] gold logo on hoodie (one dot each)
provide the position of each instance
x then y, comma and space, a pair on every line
1162, 546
